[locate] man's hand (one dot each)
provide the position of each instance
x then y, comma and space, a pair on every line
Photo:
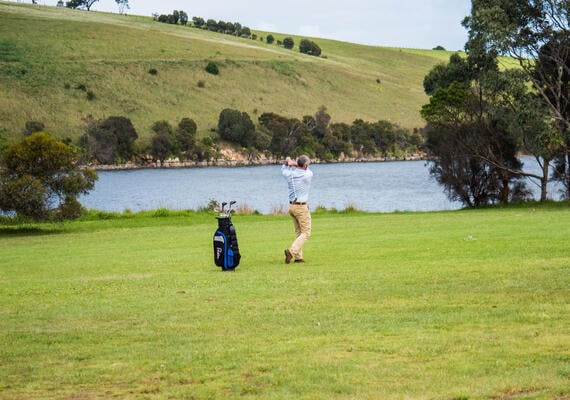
290, 163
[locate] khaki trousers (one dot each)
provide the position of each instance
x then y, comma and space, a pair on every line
302, 222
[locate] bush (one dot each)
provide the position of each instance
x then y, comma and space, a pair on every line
40, 179
70, 209
33, 127
109, 139
212, 68
288, 43
309, 47
153, 71
236, 127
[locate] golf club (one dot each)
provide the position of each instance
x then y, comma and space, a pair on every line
230, 211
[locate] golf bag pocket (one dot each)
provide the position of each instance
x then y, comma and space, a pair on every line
219, 248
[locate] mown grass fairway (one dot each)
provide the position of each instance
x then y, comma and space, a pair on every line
444, 305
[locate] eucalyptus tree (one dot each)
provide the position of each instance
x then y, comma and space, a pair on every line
473, 150
536, 33
86, 4
123, 5
109, 140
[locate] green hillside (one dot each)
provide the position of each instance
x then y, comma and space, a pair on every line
51, 58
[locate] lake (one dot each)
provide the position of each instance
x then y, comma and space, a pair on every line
374, 187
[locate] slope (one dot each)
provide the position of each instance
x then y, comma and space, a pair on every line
59, 66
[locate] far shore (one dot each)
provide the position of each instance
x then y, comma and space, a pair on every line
239, 162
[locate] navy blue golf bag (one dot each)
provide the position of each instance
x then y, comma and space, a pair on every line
226, 251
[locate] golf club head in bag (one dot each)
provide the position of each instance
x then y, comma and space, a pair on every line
226, 249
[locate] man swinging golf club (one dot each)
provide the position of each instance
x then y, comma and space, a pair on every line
298, 178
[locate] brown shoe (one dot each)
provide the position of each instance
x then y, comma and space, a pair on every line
300, 260
288, 256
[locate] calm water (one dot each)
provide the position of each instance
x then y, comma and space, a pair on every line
380, 187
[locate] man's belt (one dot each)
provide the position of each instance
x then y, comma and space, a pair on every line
297, 203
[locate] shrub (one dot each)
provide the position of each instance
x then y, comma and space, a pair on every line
39, 179
212, 68
309, 47
153, 71
70, 209
33, 127
288, 43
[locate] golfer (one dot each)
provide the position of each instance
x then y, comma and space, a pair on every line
298, 178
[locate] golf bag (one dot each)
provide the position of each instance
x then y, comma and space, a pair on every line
226, 251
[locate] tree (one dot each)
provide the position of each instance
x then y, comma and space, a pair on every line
123, 5
362, 134
40, 179
198, 22
337, 142
270, 39
245, 32
473, 152
464, 177
536, 131
174, 17
309, 47
236, 127
183, 17
236, 28
322, 121
163, 144
186, 134
285, 133
211, 25
161, 147
288, 43
87, 4
457, 70
110, 140
536, 33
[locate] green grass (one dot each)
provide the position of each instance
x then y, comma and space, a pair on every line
47, 52
443, 305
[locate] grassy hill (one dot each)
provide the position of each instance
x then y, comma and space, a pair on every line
51, 57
